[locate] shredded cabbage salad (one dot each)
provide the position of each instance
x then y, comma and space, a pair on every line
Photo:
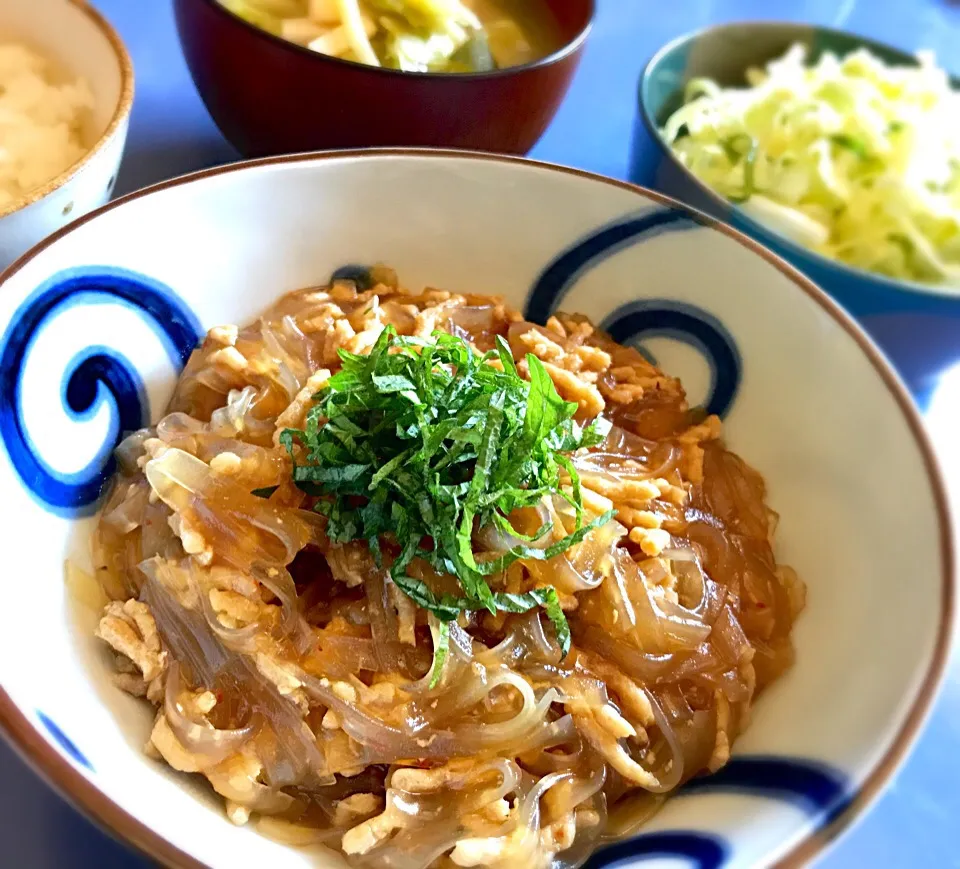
855, 159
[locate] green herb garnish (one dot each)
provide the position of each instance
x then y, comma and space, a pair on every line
851, 143
441, 648
473, 56
423, 442
745, 147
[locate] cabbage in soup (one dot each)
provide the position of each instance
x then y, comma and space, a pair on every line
412, 35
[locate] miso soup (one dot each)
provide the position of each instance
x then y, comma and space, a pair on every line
517, 31
412, 35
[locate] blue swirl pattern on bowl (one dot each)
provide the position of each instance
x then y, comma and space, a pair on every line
641, 319
813, 787
95, 374
701, 850
558, 278
688, 324
68, 746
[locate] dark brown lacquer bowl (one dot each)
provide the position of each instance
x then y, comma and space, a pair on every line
269, 96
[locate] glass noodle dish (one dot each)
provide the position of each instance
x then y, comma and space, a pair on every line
851, 157
412, 578
412, 35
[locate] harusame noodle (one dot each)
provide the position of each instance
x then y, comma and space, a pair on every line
296, 677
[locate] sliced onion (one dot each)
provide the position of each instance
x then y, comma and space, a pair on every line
130, 449
177, 426
291, 370
175, 475
127, 515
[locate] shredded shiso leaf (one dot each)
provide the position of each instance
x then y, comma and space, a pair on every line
422, 443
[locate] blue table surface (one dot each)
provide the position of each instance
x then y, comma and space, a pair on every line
171, 133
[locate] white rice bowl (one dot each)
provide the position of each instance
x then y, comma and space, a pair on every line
42, 120
66, 88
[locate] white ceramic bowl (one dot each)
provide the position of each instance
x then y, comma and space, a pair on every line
81, 43
97, 320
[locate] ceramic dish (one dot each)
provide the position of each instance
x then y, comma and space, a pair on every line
97, 321
270, 96
724, 53
77, 38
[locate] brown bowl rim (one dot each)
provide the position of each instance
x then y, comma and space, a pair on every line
120, 113
569, 48
844, 269
66, 778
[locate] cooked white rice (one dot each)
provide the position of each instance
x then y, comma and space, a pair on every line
41, 121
